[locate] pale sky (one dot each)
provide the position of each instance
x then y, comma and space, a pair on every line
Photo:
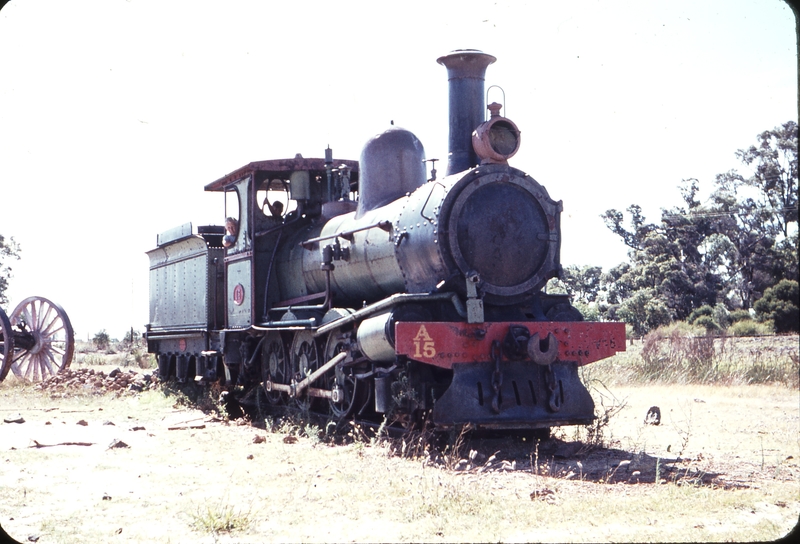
114, 114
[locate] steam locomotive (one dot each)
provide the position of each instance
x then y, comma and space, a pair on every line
366, 289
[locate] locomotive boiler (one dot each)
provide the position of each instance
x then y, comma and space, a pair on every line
367, 289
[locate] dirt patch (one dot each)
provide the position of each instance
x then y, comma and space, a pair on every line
721, 465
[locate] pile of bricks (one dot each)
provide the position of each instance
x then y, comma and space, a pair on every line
97, 381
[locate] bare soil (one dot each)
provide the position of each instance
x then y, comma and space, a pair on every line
722, 464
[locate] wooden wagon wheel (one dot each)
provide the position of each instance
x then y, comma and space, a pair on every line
6, 345
45, 342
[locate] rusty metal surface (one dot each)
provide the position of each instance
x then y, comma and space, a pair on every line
447, 344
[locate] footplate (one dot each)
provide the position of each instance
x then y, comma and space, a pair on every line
514, 395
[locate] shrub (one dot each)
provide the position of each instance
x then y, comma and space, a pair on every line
781, 304
748, 327
708, 323
702, 311
101, 340
739, 315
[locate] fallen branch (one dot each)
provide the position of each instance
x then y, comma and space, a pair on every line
38, 445
185, 427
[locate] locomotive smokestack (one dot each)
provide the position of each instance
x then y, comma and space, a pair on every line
465, 71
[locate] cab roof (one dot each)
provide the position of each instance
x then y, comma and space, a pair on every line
280, 169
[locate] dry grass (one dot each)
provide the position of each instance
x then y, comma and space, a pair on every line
681, 358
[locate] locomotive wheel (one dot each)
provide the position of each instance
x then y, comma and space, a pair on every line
305, 359
49, 339
274, 365
6, 345
340, 377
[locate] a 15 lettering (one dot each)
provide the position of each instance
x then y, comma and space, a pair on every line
424, 345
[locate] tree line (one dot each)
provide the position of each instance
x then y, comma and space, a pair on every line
730, 258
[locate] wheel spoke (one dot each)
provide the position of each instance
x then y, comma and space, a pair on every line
48, 361
27, 360
49, 331
43, 317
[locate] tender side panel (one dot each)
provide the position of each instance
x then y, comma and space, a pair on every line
183, 275
443, 344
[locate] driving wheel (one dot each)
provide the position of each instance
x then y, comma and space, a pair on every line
274, 366
305, 360
341, 380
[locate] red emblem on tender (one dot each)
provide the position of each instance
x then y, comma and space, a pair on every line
238, 294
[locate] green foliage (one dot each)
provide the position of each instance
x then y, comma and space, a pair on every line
590, 312
704, 310
101, 340
222, 517
704, 259
708, 323
132, 336
583, 282
9, 250
781, 305
748, 327
644, 312
775, 177
739, 315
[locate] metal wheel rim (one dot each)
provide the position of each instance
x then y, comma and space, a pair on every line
305, 358
345, 380
273, 365
6, 345
53, 335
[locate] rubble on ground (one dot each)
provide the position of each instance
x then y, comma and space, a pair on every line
98, 382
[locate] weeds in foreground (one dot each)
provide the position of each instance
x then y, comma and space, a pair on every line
606, 406
684, 429
220, 518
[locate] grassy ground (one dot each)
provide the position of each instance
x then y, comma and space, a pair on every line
722, 465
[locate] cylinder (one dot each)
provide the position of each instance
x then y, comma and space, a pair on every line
466, 69
375, 340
